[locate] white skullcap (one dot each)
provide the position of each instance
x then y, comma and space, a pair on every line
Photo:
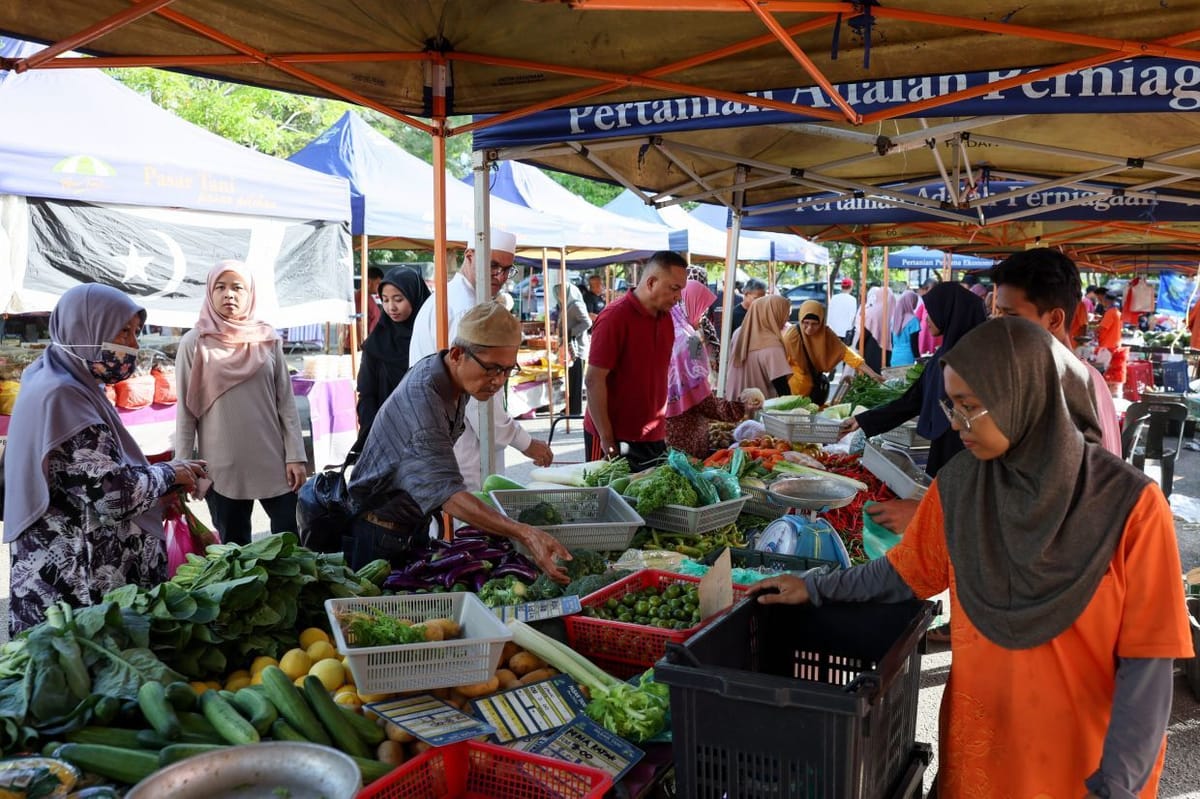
501, 240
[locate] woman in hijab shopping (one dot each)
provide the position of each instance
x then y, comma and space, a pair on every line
81, 503
238, 410
906, 330
385, 352
691, 405
757, 358
813, 349
1063, 572
876, 327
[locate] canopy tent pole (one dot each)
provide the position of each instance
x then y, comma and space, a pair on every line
887, 317
364, 297
486, 427
731, 260
770, 277
562, 344
548, 333
862, 306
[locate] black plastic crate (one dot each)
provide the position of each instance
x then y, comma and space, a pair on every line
753, 559
797, 702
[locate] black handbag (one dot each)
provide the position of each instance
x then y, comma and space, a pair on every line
325, 509
820, 388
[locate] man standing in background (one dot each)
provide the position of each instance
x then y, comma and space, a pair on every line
628, 362
460, 298
751, 291
842, 310
593, 297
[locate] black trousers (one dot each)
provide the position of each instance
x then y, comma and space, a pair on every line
640, 454
231, 517
575, 387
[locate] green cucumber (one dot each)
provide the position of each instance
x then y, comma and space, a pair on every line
128, 766
176, 752
373, 769
108, 736
198, 725
369, 731
152, 699
334, 720
498, 482
228, 723
282, 731
291, 705
181, 696
257, 708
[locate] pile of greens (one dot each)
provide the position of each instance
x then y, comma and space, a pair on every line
866, 392
223, 609
664, 487
74, 669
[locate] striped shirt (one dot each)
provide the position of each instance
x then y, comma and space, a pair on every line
407, 469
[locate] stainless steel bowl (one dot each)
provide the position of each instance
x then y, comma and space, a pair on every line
257, 771
811, 493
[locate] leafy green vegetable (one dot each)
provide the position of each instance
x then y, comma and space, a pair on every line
370, 629
607, 473
544, 588
591, 583
866, 392
543, 514
664, 487
584, 562
500, 591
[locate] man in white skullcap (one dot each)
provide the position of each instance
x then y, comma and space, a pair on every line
406, 475
460, 298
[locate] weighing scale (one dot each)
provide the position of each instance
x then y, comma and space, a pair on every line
806, 535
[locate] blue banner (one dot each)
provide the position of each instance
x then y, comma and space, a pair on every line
1174, 292
1134, 86
1095, 205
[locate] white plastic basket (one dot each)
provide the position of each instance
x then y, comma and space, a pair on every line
875, 461
600, 519
799, 427
906, 436
757, 504
681, 519
469, 659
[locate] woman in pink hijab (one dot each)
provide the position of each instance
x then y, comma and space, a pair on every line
691, 405
237, 408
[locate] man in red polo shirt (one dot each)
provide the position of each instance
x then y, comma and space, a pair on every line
627, 366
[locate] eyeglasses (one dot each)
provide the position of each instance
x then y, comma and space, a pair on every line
494, 369
953, 413
501, 269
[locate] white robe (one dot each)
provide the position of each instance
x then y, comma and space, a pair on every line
460, 298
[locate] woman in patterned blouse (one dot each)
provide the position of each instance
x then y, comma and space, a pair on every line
81, 503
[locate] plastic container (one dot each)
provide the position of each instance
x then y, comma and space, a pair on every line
894, 476
1175, 375
799, 427
635, 646
754, 559
600, 519
798, 702
473, 770
906, 436
682, 519
758, 504
435, 664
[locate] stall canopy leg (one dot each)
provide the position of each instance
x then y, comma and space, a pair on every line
483, 293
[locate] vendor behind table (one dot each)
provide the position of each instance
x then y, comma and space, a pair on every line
408, 473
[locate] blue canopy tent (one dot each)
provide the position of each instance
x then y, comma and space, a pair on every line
923, 258
785, 247
98, 184
702, 240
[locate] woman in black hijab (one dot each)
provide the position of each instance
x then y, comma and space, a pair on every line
385, 352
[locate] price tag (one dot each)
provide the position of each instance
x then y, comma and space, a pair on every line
586, 743
542, 609
531, 709
716, 587
431, 720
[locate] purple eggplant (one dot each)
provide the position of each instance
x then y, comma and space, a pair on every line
399, 581
439, 543
520, 571
461, 573
491, 553
478, 579
467, 545
446, 560
471, 532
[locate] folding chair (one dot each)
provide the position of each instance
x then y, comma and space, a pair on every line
1152, 418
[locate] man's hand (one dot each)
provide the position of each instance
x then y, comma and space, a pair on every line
848, 426
786, 589
546, 551
609, 448
297, 473
894, 514
539, 452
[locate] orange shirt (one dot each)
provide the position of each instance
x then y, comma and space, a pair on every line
1108, 334
1030, 723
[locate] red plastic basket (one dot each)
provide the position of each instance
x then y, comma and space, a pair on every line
637, 646
473, 770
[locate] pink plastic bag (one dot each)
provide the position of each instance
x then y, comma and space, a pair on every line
185, 534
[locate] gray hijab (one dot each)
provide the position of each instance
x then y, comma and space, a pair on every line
1031, 533
59, 397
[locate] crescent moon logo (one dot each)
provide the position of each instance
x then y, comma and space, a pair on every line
179, 266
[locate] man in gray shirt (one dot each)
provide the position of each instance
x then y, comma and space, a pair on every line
407, 472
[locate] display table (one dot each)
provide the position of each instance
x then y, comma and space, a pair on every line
327, 415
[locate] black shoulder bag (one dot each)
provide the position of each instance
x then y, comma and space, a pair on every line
820, 380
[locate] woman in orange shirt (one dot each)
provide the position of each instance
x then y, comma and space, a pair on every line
1064, 582
1108, 339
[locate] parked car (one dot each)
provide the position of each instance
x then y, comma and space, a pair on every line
798, 295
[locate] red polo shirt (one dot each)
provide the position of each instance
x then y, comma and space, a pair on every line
635, 346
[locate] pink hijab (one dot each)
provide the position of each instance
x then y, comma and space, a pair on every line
697, 299
687, 375
228, 351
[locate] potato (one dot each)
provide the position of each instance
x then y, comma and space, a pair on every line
450, 628
420, 747
536, 675
391, 752
434, 632
507, 679
400, 736
524, 662
480, 688
509, 650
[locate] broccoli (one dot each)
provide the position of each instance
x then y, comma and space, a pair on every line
592, 583
664, 487
542, 514
544, 588
584, 562
500, 591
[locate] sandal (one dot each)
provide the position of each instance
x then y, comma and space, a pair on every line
939, 634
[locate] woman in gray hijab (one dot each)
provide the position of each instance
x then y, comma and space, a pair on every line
1064, 579
81, 503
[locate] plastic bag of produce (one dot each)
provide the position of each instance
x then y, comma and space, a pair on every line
185, 534
136, 392
164, 386
877, 539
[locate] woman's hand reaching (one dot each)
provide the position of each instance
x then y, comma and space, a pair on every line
188, 475
297, 473
786, 589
